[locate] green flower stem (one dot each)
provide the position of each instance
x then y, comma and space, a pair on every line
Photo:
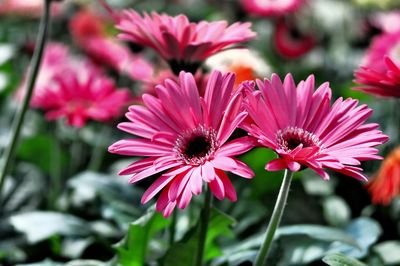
35, 65
172, 227
275, 219
204, 218
99, 149
56, 179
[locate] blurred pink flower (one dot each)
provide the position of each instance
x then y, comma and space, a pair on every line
386, 83
289, 42
81, 94
385, 44
89, 31
186, 136
387, 21
27, 8
271, 7
56, 60
185, 45
379, 73
301, 127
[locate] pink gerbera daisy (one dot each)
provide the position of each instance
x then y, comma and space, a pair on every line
185, 137
271, 7
381, 83
56, 60
182, 43
80, 95
305, 131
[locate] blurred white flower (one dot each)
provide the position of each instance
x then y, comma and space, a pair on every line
246, 64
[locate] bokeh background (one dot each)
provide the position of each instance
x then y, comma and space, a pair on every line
63, 203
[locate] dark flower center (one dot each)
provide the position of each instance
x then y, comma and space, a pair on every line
178, 65
291, 137
196, 146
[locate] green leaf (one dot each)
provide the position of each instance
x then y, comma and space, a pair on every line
314, 185
46, 262
41, 225
336, 211
49, 262
389, 252
120, 201
183, 252
40, 144
365, 231
341, 260
317, 232
132, 250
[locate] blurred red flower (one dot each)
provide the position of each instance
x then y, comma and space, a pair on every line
290, 42
386, 183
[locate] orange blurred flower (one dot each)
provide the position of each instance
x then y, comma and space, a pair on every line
386, 184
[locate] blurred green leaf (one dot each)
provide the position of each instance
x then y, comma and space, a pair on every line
317, 232
73, 248
336, 211
46, 262
389, 252
303, 244
132, 250
40, 144
119, 201
264, 181
314, 185
41, 225
87, 185
49, 262
341, 260
183, 252
366, 232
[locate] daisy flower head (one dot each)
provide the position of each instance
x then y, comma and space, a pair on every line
82, 94
185, 139
379, 73
301, 126
184, 44
267, 8
386, 183
56, 59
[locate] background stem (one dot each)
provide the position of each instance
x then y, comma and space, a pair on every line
275, 218
35, 65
